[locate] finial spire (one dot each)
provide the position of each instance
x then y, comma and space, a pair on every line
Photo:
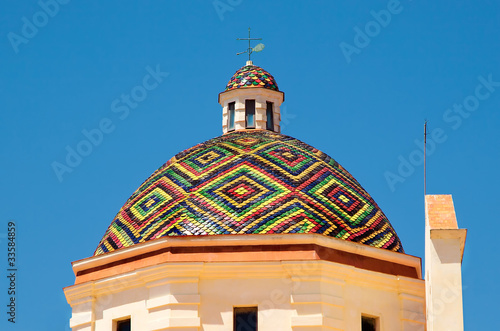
250, 50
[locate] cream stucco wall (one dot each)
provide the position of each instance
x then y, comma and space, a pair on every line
444, 247
261, 96
300, 296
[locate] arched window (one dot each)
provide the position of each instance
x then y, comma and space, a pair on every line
270, 116
250, 114
230, 118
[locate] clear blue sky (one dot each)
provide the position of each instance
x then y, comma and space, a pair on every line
361, 98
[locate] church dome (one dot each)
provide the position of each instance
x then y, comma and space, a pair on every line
250, 182
251, 76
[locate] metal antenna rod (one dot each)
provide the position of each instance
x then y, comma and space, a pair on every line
425, 149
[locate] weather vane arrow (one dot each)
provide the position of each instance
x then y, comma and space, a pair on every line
250, 50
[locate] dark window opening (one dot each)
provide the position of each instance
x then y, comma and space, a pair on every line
230, 113
270, 116
245, 319
250, 114
123, 325
368, 323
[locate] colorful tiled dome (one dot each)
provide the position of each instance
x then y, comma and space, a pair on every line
250, 182
252, 76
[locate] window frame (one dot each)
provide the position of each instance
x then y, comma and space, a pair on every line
117, 322
249, 110
269, 115
370, 319
253, 309
231, 113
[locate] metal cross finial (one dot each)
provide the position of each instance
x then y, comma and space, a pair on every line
250, 50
